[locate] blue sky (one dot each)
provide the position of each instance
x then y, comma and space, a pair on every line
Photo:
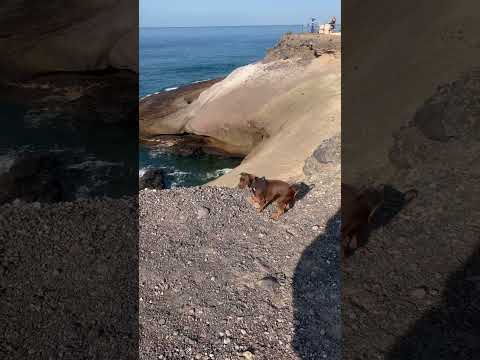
235, 12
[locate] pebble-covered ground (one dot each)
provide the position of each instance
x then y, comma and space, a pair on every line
68, 280
220, 281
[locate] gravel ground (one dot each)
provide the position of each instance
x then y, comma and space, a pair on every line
220, 281
68, 284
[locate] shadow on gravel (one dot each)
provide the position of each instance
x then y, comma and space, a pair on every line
451, 330
316, 297
394, 201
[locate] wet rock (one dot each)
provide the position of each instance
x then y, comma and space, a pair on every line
152, 179
34, 176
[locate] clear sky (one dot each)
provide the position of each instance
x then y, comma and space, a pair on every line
235, 12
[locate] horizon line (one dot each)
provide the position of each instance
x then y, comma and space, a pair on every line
212, 26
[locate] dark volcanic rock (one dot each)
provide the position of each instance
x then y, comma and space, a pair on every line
152, 179
77, 99
329, 151
56, 176
453, 111
189, 145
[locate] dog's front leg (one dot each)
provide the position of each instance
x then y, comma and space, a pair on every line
263, 204
253, 200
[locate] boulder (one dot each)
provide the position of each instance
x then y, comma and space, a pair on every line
151, 179
329, 151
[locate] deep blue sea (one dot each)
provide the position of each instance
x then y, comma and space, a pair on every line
171, 57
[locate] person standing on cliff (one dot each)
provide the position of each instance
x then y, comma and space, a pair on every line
312, 26
332, 23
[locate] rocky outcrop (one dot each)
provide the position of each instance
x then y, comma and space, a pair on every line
57, 36
191, 145
158, 106
328, 152
151, 179
282, 107
77, 99
304, 46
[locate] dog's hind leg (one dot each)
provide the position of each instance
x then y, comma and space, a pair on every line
282, 206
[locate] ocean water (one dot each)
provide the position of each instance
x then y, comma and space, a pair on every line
172, 57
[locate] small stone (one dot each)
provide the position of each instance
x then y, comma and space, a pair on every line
322, 332
247, 355
203, 212
243, 332
162, 321
226, 341
261, 235
198, 357
228, 333
221, 334
315, 228
418, 293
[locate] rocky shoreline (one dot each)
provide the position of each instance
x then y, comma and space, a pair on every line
256, 111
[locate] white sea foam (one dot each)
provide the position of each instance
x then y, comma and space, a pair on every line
179, 173
200, 81
173, 88
142, 171
217, 173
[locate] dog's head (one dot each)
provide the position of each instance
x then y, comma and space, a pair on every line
246, 180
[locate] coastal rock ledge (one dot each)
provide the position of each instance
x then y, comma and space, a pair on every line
275, 112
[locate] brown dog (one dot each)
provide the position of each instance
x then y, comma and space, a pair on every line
267, 191
358, 209
246, 180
